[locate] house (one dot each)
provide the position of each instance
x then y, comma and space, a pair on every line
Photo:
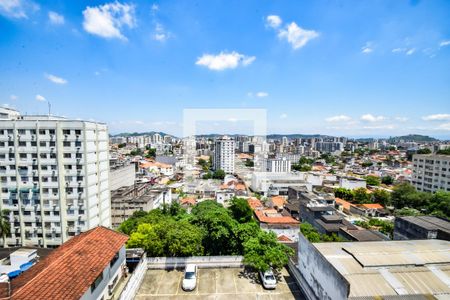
369, 210
156, 168
255, 203
89, 266
272, 220
277, 202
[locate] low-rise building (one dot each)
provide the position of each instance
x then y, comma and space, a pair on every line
272, 220
374, 270
87, 267
421, 227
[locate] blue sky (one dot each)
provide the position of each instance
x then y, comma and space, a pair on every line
355, 68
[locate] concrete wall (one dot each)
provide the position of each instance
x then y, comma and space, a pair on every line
323, 279
200, 261
123, 176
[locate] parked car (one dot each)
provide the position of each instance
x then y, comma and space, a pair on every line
268, 280
189, 278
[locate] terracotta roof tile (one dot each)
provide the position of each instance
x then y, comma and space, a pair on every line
70, 269
264, 217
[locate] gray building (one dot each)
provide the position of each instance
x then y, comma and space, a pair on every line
374, 270
421, 227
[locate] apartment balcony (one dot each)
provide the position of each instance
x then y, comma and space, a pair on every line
52, 218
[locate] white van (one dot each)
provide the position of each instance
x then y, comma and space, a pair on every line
189, 278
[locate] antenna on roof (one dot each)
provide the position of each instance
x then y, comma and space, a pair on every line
49, 108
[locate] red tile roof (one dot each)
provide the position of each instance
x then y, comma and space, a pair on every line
264, 216
278, 201
283, 238
254, 203
69, 270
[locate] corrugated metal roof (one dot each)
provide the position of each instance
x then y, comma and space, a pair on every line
392, 267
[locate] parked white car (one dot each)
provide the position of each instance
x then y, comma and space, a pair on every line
268, 280
189, 278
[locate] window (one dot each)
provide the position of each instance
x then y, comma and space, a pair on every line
22, 144
52, 155
97, 282
21, 131
66, 131
77, 132
11, 143
52, 144
66, 144
33, 131
114, 259
77, 144
67, 155
23, 156
2, 144
51, 131
42, 131
43, 155
42, 144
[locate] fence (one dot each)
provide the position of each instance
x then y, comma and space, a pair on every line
200, 261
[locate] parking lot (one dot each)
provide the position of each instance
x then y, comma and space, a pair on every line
232, 283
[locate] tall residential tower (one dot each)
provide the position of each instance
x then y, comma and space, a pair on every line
224, 150
53, 177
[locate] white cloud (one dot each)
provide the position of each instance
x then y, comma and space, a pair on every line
55, 79
232, 120
444, 43
388, 126
401, 119
154, 8
224, 60
445, 126
55, 18
283, 116
297, 36
107, 20
13, 97
262, 94
367, 48
372, 118
40, 98
160, 34
411, 51
339, 118
273, 21
399, 50
437, 117
17, 8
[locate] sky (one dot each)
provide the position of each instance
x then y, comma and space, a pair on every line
352, 68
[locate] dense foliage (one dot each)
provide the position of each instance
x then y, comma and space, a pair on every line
372, 180
405, 195
314, 236
210, 229
385, 227
424, 151
218, 174
444, 151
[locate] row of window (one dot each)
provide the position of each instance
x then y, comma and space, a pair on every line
41, 144
41, 131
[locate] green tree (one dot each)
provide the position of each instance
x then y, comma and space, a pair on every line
151, 153
382, 197
219, 174
218, 225
344, 193
5, 226
264, 251
183, 239
372, 180
444, 151
241, 210
424, 151
360, 195
146, 237
388, 180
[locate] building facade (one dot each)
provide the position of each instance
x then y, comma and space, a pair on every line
54, 177
224, 155
282, 165
431, 172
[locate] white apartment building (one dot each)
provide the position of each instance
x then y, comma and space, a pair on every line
53, 177
282, 165
431, 172
224, 154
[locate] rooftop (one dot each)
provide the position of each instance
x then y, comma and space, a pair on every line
391, 267
429, 222
70, 269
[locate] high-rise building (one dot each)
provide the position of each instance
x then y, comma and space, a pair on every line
53, 177
281, 165
431, 172
224, 154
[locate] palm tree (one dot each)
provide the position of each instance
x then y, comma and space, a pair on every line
5, 226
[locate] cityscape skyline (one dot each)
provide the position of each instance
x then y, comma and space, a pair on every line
141, 64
